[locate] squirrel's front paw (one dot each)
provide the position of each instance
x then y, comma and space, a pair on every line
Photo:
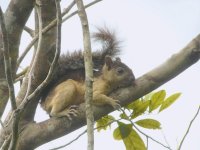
115, 104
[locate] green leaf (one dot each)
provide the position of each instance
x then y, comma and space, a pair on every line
169, 101
148, 96
124, 116
103, 123
156, 100
140, 108
133, 141
149, 123
130, 137
133, 104
122, 131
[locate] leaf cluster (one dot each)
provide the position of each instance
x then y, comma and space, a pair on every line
127, 129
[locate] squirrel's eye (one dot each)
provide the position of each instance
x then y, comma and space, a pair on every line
120, 70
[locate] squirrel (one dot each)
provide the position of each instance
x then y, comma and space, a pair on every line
67, 88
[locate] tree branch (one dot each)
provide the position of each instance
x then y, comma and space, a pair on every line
85, 131
53, 128
29, 31
9, 78
88, 73
14, 21
181, 143
6, 53
75, 12
149, 137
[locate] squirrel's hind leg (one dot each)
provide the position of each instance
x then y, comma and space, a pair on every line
62, 102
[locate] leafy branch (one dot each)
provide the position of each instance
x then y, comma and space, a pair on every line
146, 104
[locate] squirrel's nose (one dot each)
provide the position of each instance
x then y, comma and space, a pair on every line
131, 78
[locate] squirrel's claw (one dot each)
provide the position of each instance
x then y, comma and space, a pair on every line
115, 104
68, 112
72, 112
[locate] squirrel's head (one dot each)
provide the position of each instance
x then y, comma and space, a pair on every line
117, 73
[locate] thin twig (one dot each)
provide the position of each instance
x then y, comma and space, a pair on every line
188, 129
88, 73
51, 25
21, 75
147, 143
29, 31
75, 12
165, 138
19, 79
150, 137
147, 136
85, 131
23, 72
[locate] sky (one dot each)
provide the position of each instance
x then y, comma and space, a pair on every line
152, 31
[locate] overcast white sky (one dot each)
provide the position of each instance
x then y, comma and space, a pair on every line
152, 31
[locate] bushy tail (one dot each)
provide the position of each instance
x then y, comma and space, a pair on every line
110, 46
109, 42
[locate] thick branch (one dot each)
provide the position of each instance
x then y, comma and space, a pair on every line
9, 78
15, 16
6, 53
54, 128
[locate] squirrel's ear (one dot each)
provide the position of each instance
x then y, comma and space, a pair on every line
108, 62
118, 59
